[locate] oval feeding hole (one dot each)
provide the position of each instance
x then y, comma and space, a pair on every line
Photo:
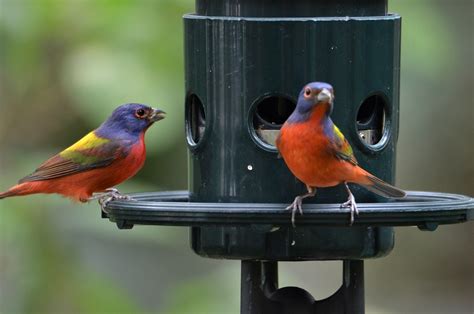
269, 114
195, 119
371, 120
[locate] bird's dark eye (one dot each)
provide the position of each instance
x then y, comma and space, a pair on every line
307, 91
140, 113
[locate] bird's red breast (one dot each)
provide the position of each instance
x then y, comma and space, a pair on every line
307, 152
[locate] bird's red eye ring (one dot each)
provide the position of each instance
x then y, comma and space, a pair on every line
140, 113
307, 91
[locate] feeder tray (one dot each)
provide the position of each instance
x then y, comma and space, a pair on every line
426, 210
263, 231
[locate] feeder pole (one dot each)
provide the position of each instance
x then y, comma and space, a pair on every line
260, 293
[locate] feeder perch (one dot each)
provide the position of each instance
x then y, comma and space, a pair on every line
245, 63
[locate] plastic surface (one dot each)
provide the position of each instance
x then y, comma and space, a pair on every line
173, 208
251, 231
233, 62
239, 53
300, 8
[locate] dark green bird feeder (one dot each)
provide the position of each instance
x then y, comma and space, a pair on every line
246, 61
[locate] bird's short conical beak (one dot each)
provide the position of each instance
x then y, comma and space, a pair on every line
156, 115
325, 95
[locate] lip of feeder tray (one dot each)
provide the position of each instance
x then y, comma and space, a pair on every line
426, 210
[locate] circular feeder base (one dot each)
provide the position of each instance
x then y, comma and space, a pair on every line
423, 209
263, 231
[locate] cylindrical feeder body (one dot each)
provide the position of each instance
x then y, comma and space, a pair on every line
245, 63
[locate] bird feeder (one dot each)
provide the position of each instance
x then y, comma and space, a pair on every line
245, 63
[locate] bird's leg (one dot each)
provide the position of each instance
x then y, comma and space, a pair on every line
351, 203
109, 195
296, 205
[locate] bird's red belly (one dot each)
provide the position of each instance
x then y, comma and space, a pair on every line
80, 186
309, 159
315, 173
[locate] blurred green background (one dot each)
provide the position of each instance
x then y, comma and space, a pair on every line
64, 65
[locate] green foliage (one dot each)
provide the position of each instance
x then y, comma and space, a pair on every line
217, 294
64, 66
426, 27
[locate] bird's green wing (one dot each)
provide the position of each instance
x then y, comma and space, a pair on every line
88, 153
341, 147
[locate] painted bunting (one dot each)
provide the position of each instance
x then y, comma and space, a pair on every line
105, 157
317, 153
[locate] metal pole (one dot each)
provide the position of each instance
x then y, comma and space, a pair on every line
260, 293
353, 283
258, 281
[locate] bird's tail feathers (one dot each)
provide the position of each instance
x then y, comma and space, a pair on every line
7, 194
382, 188
17, 190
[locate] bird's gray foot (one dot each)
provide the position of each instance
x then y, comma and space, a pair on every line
351, 204
296, 206
109, 195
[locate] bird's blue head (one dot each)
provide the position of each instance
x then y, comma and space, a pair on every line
311, 96
129, 120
